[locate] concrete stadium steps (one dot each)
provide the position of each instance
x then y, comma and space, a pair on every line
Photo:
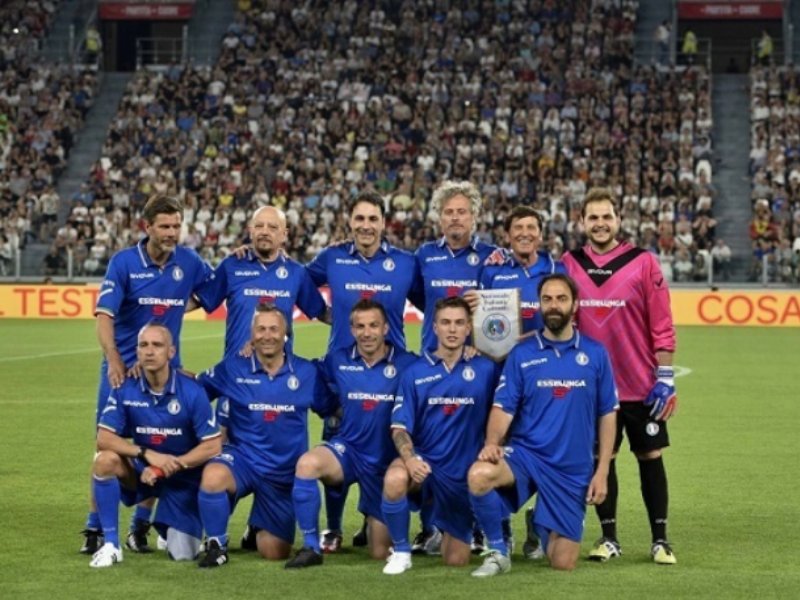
209, 23
732, 208
70, 13
90, 139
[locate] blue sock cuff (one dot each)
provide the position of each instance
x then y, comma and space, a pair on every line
305, 484
395, 506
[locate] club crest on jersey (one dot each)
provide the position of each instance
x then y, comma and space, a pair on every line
473, 259
582, 359
174, 407
468, 374
177, 273
293, 382
388, 265
389, 372
652, 429
282, 272
340, 448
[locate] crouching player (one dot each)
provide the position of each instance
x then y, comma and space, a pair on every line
365, 378
437, 427
557, 396
174, 433
263, 409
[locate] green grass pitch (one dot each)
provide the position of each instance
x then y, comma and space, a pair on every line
733, 472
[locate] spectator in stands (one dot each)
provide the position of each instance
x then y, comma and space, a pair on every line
54, 263
721, 256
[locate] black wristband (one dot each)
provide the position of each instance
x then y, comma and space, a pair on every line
141, 454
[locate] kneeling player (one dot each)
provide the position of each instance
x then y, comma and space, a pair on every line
263, 409
437, 427
557, 395
174, 432
365, 377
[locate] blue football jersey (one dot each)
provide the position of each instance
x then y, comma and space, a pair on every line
136, 291
557, 391
247, 282
512, 275
446, 273
172, 422
389, 277
366, 394
444, 411
267, 416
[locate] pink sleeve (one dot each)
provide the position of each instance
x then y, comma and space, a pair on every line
662, 331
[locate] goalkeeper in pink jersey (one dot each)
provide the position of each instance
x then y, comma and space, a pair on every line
624, 303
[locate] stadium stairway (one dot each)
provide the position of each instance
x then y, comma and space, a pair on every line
90, 139
72, 13
732, 207
649, 15
209, 23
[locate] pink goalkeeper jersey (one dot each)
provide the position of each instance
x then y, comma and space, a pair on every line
624, 303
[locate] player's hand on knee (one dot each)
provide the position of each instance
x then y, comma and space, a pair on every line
663, 398
418, 469
491, 453
151, 475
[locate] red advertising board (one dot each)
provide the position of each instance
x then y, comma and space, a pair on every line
722, 10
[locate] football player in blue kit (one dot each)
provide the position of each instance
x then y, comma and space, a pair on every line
264, 400
154, 279
555, 403
437, 427
174, 432
365, 378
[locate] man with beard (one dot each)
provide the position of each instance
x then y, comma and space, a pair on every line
556, 399
264, 275
625, 305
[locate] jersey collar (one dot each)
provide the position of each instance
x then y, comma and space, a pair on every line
141, 247
434, 360
543, 342
389, 358
544, 263
169, 388
253, 257
474, 241
352, 250
288, 366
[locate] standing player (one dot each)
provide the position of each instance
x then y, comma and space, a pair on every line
153, 280
524, 267
264, 275
174, 433
263, 408
625, 305
556, 395
437, 427
365, 378
451, 265
367, 267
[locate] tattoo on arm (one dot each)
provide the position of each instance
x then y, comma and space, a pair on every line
402, 441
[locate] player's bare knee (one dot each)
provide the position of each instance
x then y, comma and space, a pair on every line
481, 477
272, 548
457, 559
308, 467
395, 484
563, 563
649, 454
215, 478
106, 463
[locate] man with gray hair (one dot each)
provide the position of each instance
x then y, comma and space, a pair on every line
452, 264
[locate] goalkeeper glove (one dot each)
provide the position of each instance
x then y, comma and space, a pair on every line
662, 397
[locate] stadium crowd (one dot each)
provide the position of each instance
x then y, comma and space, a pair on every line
532, 101
42, 107
775, 172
